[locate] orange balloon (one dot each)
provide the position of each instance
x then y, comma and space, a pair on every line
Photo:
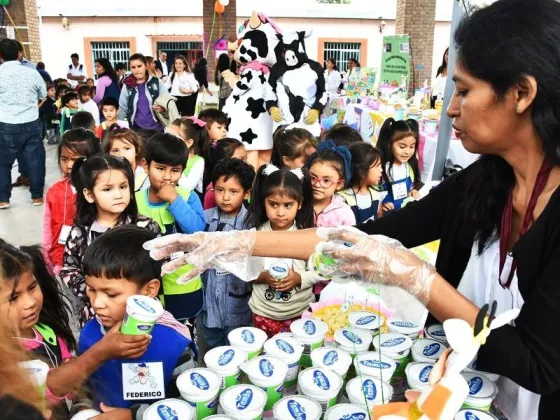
219, 8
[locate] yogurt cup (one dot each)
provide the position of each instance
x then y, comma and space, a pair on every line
321, 385
430, 126
363, 320
310, 333
473, 414
346, 412
37, 371
397, 347
437, 333
243, 402
200, 387
418, 375
142, 312
401, 326
472, 367
268, 373
367, 391
297, 407
219, 417
426, 350
169, 409
353, 341
225, 361
482, 391
288, 350
332, 358
248, 339
85, 414
375, 365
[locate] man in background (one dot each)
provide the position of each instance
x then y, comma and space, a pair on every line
76, 71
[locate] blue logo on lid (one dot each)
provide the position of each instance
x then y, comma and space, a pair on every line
284, 346
438, 333
404, 324
378, 364
144, 306
167, 413
370, 390
279, 269
248, 336
143, 327
469, 415
366, 320
431, 349
352, 337
475, 385
321, 380
199, 381
355, 416
266, 368
213, 403
425, 374
296, 410
309, 327
330, 358
244, 399
226, 357
393, 342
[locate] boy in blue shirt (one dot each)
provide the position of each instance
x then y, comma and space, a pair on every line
177, 210
117, 267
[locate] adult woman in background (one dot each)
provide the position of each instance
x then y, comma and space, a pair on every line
498, 220
152, 67
107, 81
438, 85
183, 86
332, 77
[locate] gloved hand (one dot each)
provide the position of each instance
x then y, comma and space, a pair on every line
378, 259
312, 117
230, 77
275, 113
229, 251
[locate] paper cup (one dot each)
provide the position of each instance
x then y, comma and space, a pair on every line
225, 361
437, 333
38, 372
346, 412
288, 350
367, 391
268, 373
85, 414
332, 358
142, 312
426, 350
321, 385
169, 409
243, 402
482, 391
353, 341
248, 339
310, 333
200, 387
473, 414
297, 407
418, 375
401, 326
375, 365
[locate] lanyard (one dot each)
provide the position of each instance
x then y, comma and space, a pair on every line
505, 231
220, 227
356, 198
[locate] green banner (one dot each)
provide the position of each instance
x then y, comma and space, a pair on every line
395, 61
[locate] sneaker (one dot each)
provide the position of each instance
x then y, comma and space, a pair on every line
37, 201
4, 205
21, 181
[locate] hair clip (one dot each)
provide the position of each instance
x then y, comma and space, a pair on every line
197, 121
298, 172
269, 169
214, 143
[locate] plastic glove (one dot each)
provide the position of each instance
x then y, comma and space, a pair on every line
230, 77
312, 117
378, 259
229, 251
275, 113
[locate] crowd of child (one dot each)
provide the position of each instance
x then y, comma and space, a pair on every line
121, 187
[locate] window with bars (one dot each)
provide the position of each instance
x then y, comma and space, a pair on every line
341, 52
192, 50
114, 51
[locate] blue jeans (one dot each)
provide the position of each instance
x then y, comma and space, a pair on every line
22, 140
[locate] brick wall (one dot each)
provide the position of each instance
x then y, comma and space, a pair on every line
417, 19
24, 14
226, 21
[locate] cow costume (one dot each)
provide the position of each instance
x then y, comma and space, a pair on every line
256, 49
297, 93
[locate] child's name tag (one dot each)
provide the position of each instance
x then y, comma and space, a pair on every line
143, 381
222, 273
64, 233
399, 190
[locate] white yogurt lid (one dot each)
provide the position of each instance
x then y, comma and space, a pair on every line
375, 364
331, 358
309, 331
398, 325
318, 381
224, 358
479, 385
346, 412
144, 307
418, 373
248, 338
392, 342
169, 409
436, 332
430, 349
218, 417
353, 338
283, 347
85, 414
199, 382
365, 320
242, 399
472, 414
265, 370
370, 390
297, 407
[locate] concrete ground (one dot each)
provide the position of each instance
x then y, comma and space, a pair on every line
22, 223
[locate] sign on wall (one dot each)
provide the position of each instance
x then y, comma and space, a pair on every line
395, 60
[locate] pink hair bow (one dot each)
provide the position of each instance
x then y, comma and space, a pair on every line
197, 121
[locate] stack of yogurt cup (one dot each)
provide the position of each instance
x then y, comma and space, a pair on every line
396, 347
347, 411
248, 339
225, 362
289, 350
418, 375
321, 385
427, 350
297, 407
482, 391
332, 358
200, 388
401, 326
367, 321
367, 391
472, 414
375, 365
311, 334
243, 402
437, 333
169, 409
353, 341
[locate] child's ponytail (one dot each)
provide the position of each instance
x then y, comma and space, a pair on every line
290, 143
76, 175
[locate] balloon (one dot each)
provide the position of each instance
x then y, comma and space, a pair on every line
219, 8
224, 2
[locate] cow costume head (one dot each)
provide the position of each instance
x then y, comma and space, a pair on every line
257, 41
293, 47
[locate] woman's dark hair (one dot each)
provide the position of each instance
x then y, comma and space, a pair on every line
364, 156
142, 58
107, 69
355, 61
223, 64
443, 63
84, 176
194, 132
290, 144
342, 135
185, 62
392, 131
167, 149
285, 183
219, 150
80, 142
120, 66
333, 60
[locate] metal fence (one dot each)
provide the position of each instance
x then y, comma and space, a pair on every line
115, 51
192, 50
341, 52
